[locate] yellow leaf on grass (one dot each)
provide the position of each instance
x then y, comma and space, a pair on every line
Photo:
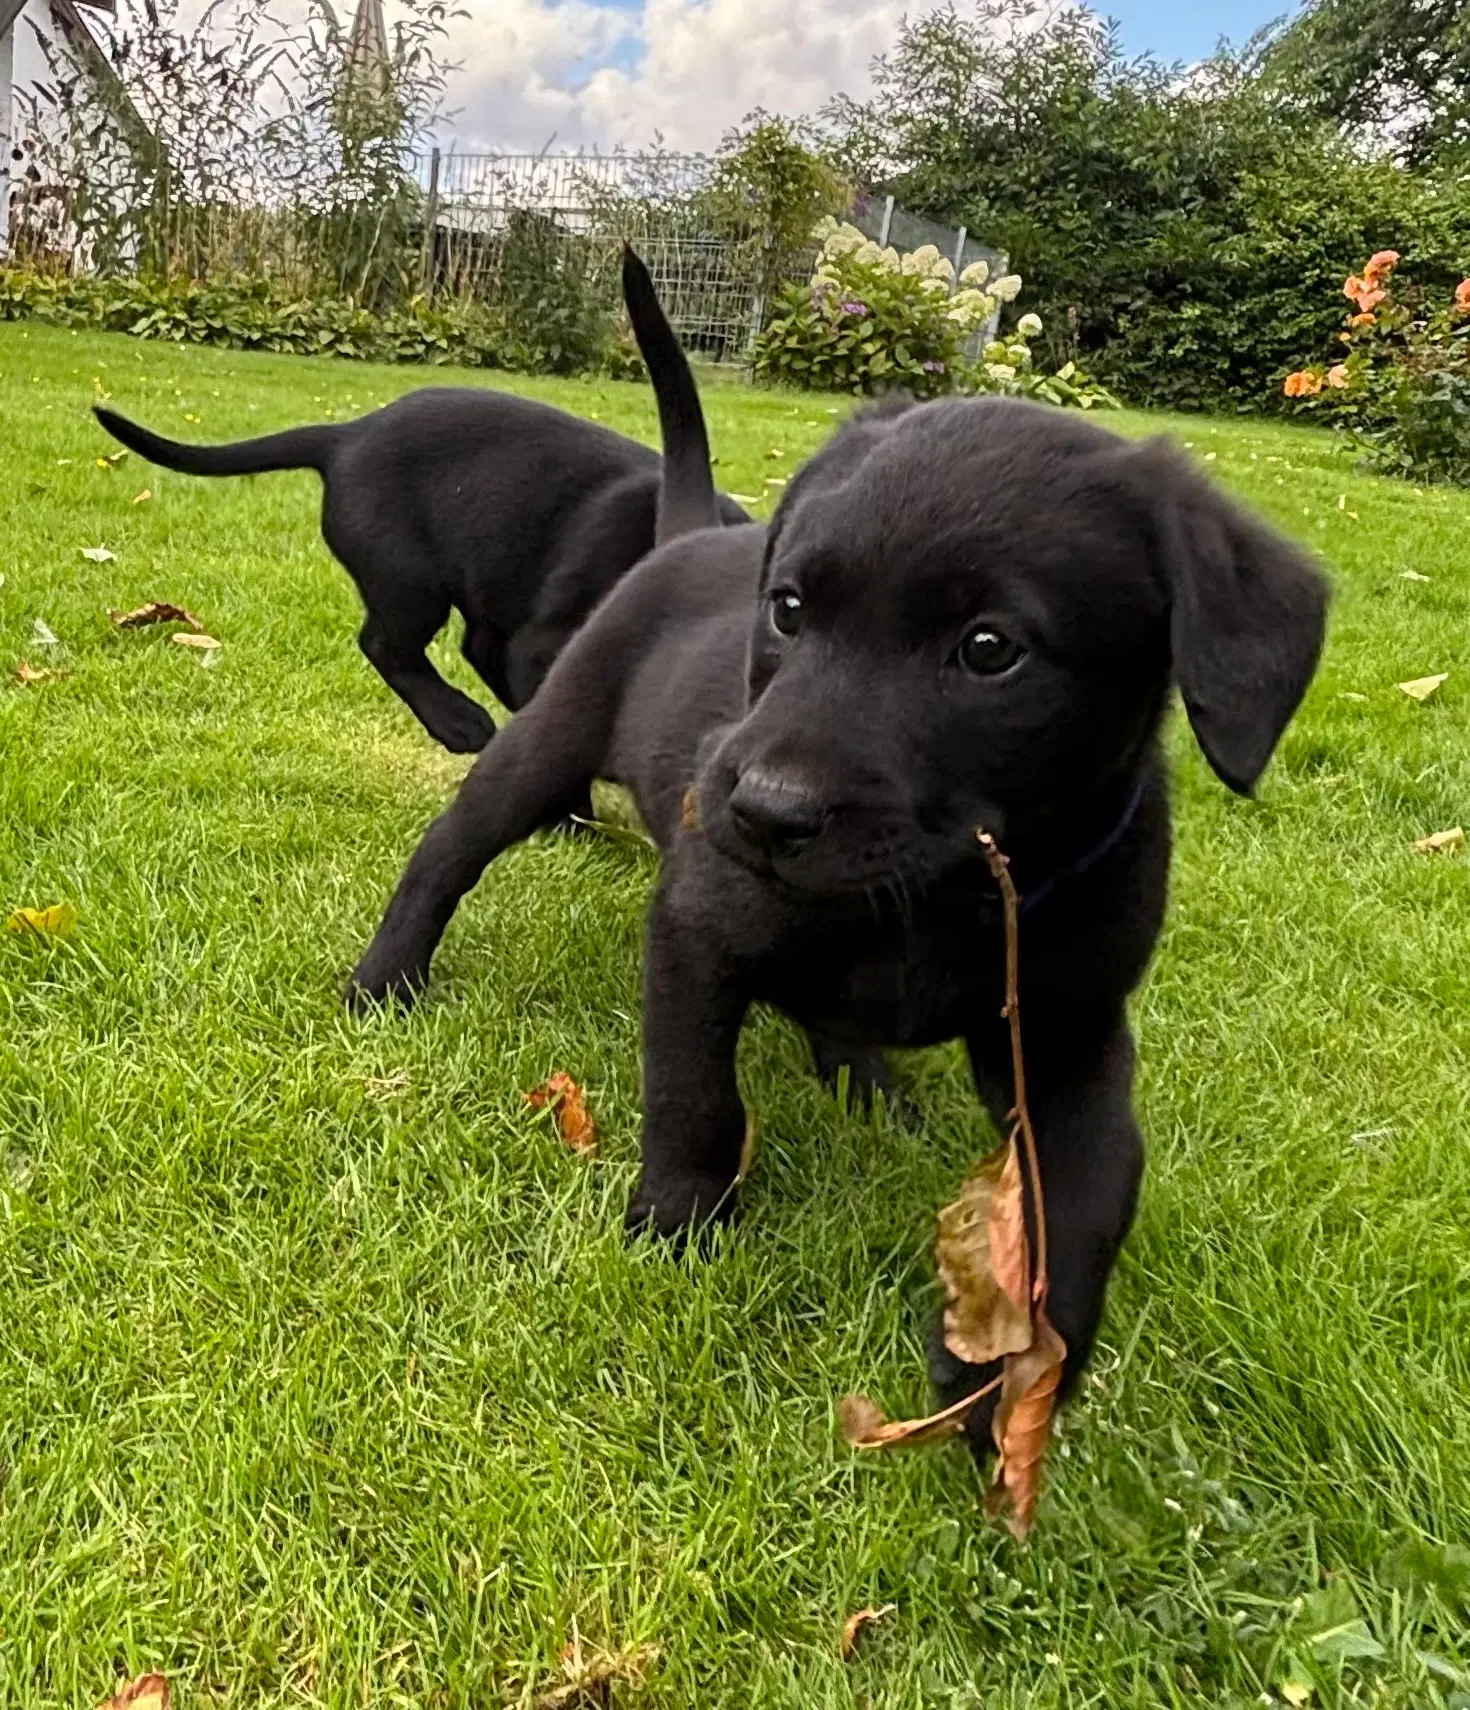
1421, 688
143, 497
57, 921
147, 1692
206, 642
856, 1623
983, 1261
562, 1094
1442, 842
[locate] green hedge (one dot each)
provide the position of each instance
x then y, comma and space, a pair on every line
253, 314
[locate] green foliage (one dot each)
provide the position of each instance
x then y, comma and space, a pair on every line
1401, 382
555, 316
252, 314
1398, 67
1178, 235
772, 186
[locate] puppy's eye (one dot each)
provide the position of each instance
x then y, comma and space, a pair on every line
987, 653
785, 610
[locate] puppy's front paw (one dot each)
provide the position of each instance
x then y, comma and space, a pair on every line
953, 1379
674, 1209
373, 985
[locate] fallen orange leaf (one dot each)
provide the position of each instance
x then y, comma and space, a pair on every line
147, 1692
27, 673
983, 1261
156, 611
865, 1427
1022, 1425
855, 1624
562, 1094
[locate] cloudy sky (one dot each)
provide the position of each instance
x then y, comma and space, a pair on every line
609, 73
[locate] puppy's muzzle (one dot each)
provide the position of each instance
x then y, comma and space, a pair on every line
774, 812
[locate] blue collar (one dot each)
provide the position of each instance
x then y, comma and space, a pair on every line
1033, 896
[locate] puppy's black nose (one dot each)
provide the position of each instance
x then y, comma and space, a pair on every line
776, 813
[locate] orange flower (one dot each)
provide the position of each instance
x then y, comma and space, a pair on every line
1353, 287
1363, 320
1380, 266
1462, 294
1371, 300
1337, 375
1303, 384
1293, 385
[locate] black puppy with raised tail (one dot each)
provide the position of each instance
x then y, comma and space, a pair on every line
966, 614
515, 514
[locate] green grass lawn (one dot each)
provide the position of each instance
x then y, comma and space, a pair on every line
325, 1374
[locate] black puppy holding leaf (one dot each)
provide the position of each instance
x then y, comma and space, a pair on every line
965, 614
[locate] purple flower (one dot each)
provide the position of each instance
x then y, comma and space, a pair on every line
854, 306
934, 368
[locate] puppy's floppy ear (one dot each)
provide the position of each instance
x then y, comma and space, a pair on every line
1248, 609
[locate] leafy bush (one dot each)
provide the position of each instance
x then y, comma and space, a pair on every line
1401, 381
872, 321
1178, 235
253, 314
554, 315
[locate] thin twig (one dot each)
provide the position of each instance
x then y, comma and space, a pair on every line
1000, 869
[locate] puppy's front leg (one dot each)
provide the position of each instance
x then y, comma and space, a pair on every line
693, 1121
520, 782
1079, 1075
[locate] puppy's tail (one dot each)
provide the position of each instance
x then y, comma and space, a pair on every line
686, 499
296, 448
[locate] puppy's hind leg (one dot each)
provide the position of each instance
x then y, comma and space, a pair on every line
394, 643
542, 760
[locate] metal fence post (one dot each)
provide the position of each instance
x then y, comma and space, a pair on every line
431, 216
959, 253
887, 225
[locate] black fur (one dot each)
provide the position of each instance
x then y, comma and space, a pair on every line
515, 514
841, 771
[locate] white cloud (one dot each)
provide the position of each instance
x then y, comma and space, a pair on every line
604, 76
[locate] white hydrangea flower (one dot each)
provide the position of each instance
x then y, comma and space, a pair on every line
891, 260
824, 228
975, 274
1001, 371
1008, 288
1028, 326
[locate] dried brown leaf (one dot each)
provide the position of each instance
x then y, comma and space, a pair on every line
206, 643
25, 672
156, 611
1442, 842
1022, 1425
385, 1086
562, 1094
1421, 688
689, 809
865, 1427
983, 1261
589, 1673
854, 1625
147, 1692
